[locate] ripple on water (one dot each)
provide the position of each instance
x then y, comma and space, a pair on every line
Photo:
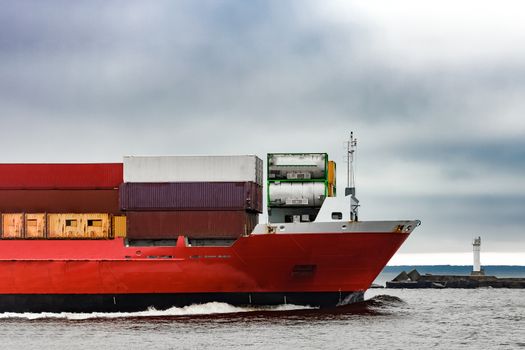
387, 319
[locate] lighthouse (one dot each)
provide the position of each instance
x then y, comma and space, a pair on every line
476, 266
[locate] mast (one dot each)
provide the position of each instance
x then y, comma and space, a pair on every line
350, 177
350, 150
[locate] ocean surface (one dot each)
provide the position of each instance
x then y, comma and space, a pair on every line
388, 319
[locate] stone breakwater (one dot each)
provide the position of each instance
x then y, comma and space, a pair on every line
413, 279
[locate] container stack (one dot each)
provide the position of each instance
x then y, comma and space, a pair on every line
193, 196
58, 200
298, 183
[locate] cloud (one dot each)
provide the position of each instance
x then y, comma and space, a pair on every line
449, 222
421, 35
434, 93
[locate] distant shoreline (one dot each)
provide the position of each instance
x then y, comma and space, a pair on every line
460, 259
453, 265
501, 271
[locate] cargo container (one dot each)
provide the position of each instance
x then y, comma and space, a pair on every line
247, 168
119, 226
78, 226
191, 196
64, 226
297, 166
59, 201
13, 225
331, 190
331, 172
193, 224
96, 225
292, 194
61, 176
35, 225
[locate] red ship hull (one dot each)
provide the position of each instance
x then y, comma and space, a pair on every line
318, 269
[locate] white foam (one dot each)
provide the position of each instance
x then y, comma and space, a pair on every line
197, 309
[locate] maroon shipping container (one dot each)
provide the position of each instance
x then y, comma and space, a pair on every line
61, 176
191, 196
59, 201
193, 224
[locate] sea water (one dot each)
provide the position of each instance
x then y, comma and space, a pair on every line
388, 319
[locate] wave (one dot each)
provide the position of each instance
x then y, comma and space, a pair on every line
368, 306
191, 310
384, 300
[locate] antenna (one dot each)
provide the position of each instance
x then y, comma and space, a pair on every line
350, 150
350, 176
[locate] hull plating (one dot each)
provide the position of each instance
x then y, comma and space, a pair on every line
326, 262
162, 301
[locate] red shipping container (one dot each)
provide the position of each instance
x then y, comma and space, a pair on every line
191, 196
59, 201
61, 176
193, 224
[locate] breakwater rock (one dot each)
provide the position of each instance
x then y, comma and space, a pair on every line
414, 279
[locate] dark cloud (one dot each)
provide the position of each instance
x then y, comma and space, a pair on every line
450, 221
491, 156
249, 58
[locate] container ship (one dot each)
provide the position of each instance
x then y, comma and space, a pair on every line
177, 230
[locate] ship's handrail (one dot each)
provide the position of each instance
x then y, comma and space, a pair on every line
396, 226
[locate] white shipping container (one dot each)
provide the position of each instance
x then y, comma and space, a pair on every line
193, 168
295, 194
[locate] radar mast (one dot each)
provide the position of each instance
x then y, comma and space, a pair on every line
351, 145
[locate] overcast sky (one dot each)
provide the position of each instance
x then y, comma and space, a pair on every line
434, 91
